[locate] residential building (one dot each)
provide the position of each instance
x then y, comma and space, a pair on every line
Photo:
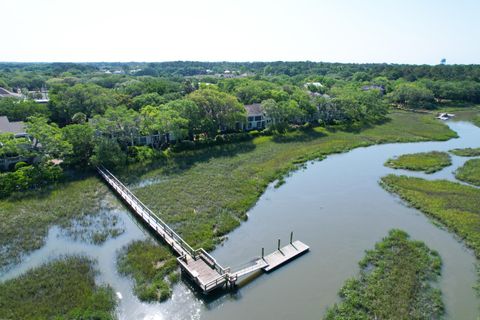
256, 117
4, 93
374, 87
17, 128
39, 96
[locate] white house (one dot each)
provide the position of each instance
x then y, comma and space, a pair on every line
256, 117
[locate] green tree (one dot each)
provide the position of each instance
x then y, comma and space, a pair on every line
118, 123
163, 120
282, 113
48, 138
190, 111
80, 136
108, 152
412, 95
218, 110
89, 99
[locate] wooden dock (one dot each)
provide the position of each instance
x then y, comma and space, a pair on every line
205, 271
285, 254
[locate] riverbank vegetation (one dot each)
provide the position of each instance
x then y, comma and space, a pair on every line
429, 162
177, 132
151, 266
184, 187
61, 289
476, 121
455, 205
396, 281
469, 172
26, 218
467, 152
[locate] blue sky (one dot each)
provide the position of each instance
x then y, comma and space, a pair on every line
393, 31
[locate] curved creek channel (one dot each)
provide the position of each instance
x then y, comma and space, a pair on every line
336, 206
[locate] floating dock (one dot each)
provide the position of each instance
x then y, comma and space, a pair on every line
205, 271
285, 254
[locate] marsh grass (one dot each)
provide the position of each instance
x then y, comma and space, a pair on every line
74, 206
476, 121
429, 162
151, 266
204, 194
395, 282
469, 172
454, 205
467, 152
61, 289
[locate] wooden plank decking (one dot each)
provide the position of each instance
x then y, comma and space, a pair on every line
285, 254
199, 264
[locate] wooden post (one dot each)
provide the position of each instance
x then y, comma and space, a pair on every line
278, 244
263, 252
291, 237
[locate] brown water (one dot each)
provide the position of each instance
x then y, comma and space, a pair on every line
335, 206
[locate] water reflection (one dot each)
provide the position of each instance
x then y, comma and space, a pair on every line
335, 206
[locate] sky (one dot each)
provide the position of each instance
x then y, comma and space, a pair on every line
359, 31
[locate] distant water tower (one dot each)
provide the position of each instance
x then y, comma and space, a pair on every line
443, 61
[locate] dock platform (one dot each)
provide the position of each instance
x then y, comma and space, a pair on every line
285, 254
198, 264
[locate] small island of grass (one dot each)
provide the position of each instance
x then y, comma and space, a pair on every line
455, 205
469, 172
395, 282
429, 162
467, 152
151, 266
61, 289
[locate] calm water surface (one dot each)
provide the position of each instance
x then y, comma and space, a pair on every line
337, 207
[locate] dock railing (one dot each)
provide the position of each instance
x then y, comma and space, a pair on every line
177, 238
183, 244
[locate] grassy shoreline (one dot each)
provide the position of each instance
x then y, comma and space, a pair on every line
395, 282
454, 205
469, 172
75, 206
466, 152
62, 289
429, 162
205, 194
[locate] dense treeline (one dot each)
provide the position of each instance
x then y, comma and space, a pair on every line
116, 113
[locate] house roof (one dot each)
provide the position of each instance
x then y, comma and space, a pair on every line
373, 87
4, 93
254, 109
15, 127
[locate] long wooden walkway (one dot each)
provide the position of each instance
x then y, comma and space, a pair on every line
206, 272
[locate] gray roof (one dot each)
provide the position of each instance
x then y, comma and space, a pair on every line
4, 93
15, 127
254, 109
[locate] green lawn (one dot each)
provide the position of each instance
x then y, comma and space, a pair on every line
204, 194
455, 205
395, 282
469, 172
429, 162
62, 289
467, 152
